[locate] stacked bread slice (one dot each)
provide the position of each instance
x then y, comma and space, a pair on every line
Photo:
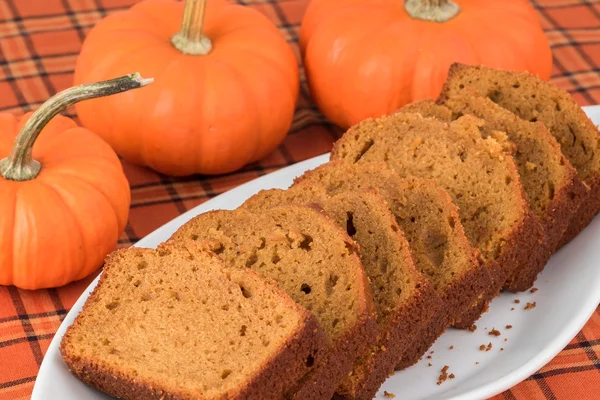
417, 222
176, 323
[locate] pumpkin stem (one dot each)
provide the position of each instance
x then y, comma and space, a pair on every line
190, 39
20, 165
432, 10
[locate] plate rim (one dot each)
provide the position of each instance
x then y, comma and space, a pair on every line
493, 388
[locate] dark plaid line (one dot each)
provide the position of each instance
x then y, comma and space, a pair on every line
575, 73
103, 11
69, 13
553, 6
561, 371
23, 339
584, 343
590, 6
36, 350
559, 29
30, 47
61, 29
588, 350
509, 395
60, 313
57, 303
172, 192
207, 187
11, 82
591, 64
157, 202
572, 43
559, 65
49, 56
37, 17
4, 385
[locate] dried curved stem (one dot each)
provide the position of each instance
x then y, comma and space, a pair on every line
20, 165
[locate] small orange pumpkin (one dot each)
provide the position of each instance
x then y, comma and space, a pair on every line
366, 58
225, 91
64, 199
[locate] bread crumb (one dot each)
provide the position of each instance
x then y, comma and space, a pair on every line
451, 376
533, 290
451, 347
388, 395
501, 348
431, 352
472, 328
482, 347
429, 357
517, 301
529, 306
494, 332
530, 166
506, 339
508, 326
512, 309
476, 362
489, 346
429, 364
443, 376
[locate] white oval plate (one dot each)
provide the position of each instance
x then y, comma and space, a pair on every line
569, 292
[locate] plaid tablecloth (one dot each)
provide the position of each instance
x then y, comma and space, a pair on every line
39, 43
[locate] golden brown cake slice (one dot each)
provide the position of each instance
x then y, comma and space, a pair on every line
403, 297
431, 225
315, 262
534, 99
178, 324
481, 178
550, 182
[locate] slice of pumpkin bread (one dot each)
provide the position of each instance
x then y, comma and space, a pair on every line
534, 99
403, 297
431, 225
481, 178
178, 324
318, 266
550, 182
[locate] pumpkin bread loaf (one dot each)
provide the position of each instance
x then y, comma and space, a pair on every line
481, 178
431, 225
178, 324
315, 262
534, 99
550, 182
403, 297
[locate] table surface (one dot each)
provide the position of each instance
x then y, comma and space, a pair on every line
39, 43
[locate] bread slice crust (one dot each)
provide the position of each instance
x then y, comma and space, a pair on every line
403, 297
481, 178
534, 99
307, 340
311, 258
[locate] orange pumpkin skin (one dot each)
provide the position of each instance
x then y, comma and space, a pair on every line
367, 58
207, 114
59, 226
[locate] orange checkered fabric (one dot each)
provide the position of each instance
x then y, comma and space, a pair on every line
39, 43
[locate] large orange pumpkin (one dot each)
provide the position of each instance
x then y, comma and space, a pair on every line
64, 199
225, 90
366, 58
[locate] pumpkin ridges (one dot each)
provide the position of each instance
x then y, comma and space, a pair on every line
45, 226
94, 113
7, 226
160, 133
331, 73
94, 216
57, 147
282, 57
267, 139
106, 178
